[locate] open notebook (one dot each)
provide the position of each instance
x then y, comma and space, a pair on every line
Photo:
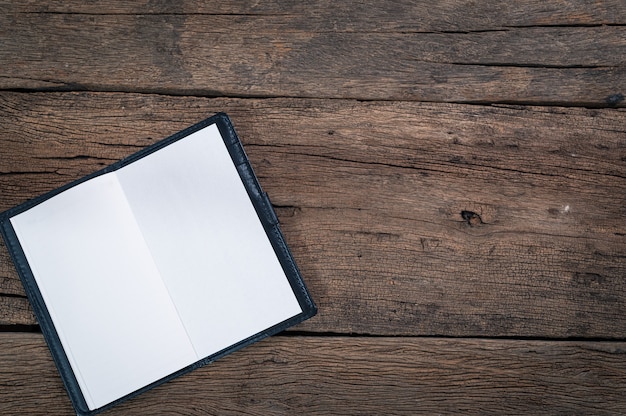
155, 265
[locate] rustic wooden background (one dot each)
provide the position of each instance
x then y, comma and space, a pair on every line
450, 176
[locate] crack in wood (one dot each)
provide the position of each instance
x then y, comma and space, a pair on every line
68, 13
212, 94
76, 157
34, 172
328, 334
453, 162
521, 65
13, 295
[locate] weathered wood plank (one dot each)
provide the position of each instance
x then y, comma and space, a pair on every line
403, 15
9, 283
14, 307
308, 375
371, 196
281, 55
15, 310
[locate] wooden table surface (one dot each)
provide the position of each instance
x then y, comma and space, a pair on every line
450, 176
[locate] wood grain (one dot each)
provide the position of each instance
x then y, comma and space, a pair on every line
399, 15
371, 198
312, 375
391, 52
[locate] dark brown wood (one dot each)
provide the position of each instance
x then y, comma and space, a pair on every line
304, 52
307, 375
9, 283
405, 218
407, 15
15, 310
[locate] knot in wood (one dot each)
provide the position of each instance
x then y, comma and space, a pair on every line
471, 218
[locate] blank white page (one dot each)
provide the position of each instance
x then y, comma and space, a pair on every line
111, 310
207, 241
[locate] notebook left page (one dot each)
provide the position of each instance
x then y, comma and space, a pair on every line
113, 314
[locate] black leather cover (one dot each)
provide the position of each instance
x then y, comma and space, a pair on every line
266, 215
